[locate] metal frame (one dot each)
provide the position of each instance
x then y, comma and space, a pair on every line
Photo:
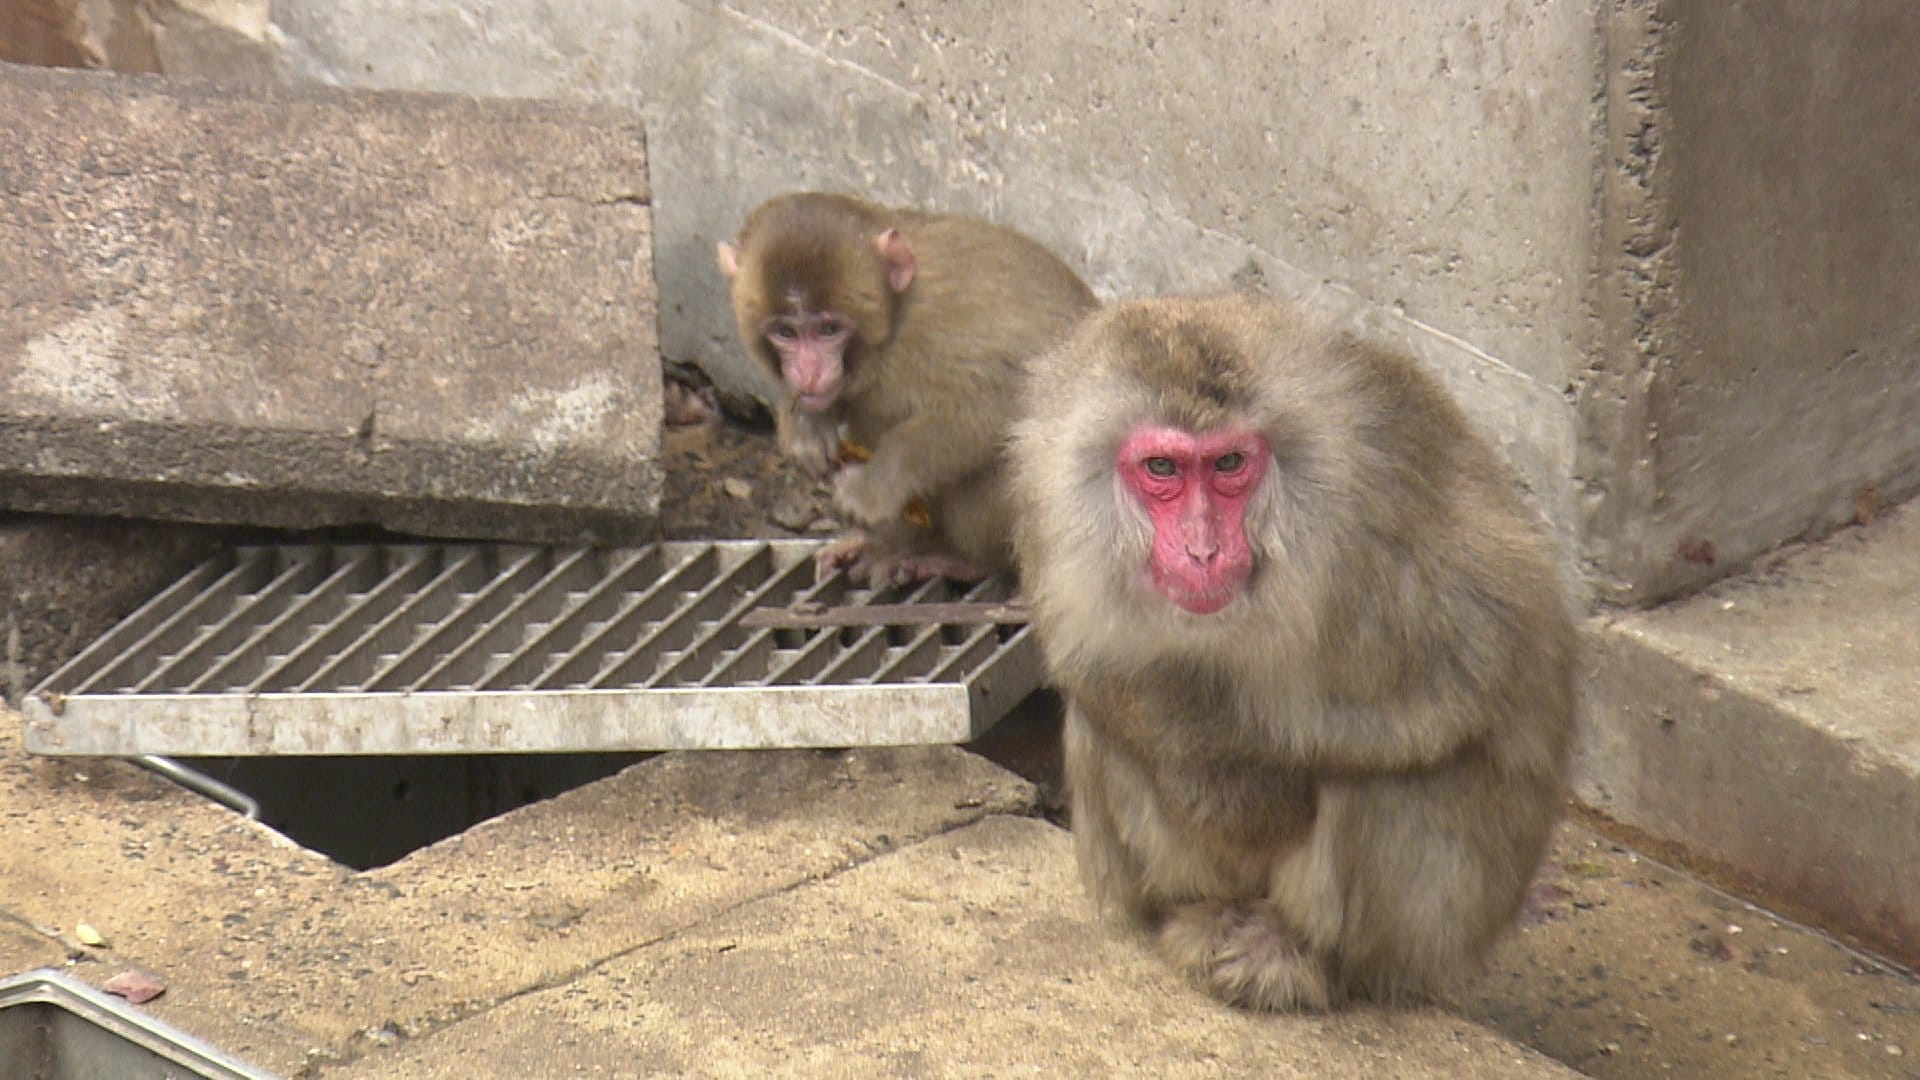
465, 648
147, 1048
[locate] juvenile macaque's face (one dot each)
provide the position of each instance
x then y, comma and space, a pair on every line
812, 350
1194, 489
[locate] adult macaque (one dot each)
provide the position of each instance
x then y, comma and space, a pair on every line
1319, 668
901, 339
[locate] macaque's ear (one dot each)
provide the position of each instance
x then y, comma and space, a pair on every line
729, 259
893, 248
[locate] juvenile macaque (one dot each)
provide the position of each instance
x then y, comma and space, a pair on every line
901, 339
1318, 665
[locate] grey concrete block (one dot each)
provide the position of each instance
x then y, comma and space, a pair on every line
65, 581
316, 307
1770, 727
1758, 364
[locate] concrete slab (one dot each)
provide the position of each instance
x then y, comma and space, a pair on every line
310, 307
972, 954
1772, 727
284, 958
756, 898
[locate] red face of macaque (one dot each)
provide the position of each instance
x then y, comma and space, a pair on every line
812, 350
1195, 490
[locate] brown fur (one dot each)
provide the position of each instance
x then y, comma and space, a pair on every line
1341, 784
933, 373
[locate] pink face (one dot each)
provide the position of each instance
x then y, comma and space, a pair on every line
1195, 490
812, 349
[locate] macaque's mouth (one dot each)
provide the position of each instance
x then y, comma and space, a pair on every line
1196, 601
817, 402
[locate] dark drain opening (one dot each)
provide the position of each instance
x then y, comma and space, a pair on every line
370, 811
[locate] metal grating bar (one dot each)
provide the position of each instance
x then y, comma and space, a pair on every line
136, 628
219, 594
577, 667
583, 614
409, 570
355, 567
637, 664
753, 660
711, 647
291, 575
447, 648
340, 660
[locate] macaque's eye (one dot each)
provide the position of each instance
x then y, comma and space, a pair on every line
1161, 467
783, 331
1227, 463
830, 328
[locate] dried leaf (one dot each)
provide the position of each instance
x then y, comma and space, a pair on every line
1867, 505
686, 405
136, 986
736, 488
1699, 552
89, 936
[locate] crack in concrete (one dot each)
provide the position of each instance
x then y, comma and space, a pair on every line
875, 850
788, 37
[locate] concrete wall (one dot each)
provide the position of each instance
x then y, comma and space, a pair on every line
1435, 161
1759, 375
1659, 248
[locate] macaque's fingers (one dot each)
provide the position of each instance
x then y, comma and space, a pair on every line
952, 568
847, 553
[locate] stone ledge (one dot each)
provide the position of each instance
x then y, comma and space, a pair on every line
1771, 728
312, 306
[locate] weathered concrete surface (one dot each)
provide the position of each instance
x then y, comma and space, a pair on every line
64, 581
227, 38
919, 896
324, 307
1771, 726
1760, 361
1501, 185
941, 959
1434, 159
288, 960
273, 952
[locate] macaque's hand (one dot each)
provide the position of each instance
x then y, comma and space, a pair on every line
813, 445
867, 496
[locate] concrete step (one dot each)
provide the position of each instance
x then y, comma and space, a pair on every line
309, 307
1770, 728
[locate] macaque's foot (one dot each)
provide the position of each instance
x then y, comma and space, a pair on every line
848, 553
1244, 955
951, 567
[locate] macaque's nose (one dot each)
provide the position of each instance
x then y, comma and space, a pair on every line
1202, 547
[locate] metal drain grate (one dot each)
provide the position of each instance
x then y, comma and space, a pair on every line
476, 648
